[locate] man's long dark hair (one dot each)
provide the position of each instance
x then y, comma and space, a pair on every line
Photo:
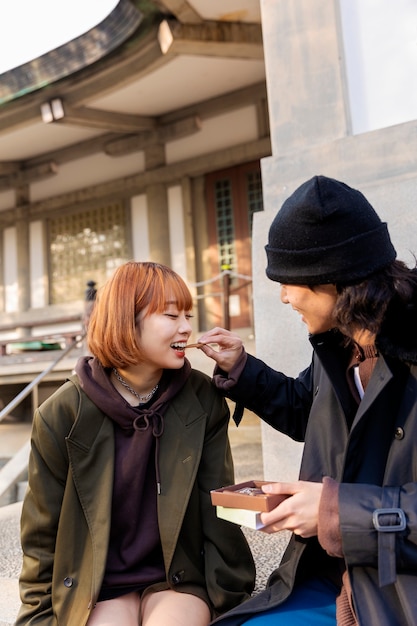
364, 305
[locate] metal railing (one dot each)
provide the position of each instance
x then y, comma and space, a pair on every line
17, 465
225, 277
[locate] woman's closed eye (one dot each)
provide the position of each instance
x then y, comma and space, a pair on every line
175, 316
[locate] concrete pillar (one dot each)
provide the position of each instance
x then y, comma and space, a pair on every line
140, 228
38, 264
177, 229
23, 251
158, 214
10, 281
2, 262
304, 74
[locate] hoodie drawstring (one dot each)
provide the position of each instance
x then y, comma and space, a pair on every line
142, 423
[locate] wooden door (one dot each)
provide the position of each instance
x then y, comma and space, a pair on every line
233, 195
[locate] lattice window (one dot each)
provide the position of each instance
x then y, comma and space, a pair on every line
225, 224
254, 194
85, 246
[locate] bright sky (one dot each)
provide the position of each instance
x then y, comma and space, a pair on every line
29, 28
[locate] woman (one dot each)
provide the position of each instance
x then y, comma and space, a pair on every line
117, 524
352, 558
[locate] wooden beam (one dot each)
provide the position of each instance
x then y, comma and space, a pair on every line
75, 151
9, 167
141, 141
137, 183
220, 104
178, 124
99, 119
183, 11
202, 111
215, 39
28, 175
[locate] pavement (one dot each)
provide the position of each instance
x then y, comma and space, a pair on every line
247, 453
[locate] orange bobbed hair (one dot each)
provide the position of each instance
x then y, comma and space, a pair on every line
112, 330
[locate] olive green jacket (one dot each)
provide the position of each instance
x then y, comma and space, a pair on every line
66, 512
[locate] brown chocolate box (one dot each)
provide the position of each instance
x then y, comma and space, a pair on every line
246, 495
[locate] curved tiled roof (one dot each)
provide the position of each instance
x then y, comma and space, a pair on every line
73, 56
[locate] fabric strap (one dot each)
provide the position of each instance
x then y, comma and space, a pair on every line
387, 570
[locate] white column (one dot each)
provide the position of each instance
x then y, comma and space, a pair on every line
177, 230
140, 231
10, 270
38, 286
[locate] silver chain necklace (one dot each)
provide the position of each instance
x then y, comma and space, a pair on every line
142, 399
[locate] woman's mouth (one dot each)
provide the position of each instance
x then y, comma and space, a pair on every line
179, 347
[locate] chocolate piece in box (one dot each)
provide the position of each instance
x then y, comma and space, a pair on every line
248, 495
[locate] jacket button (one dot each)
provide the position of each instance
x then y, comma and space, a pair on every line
176, 578
68, 581
399, 433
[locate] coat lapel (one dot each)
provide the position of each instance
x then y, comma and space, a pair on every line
180, 453
90, 447
379, 379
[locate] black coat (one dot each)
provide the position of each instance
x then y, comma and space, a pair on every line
370, 450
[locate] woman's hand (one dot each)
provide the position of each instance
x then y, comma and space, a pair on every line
298, 512
229, 349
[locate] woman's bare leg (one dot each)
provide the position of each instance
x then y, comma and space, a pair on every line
123, 611
171, 608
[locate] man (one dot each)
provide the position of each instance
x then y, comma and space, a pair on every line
352, 557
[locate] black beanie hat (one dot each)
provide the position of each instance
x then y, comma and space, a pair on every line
326, 232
